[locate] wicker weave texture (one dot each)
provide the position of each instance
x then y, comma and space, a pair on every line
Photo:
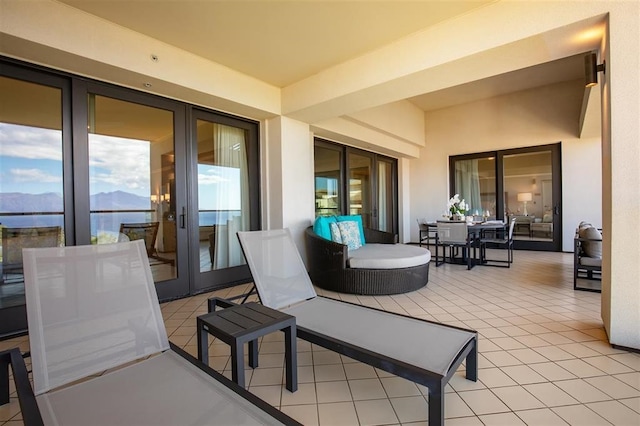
328, 268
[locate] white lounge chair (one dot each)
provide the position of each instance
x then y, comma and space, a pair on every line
425, 352
95, 308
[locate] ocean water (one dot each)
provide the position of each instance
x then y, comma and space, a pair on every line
110, 222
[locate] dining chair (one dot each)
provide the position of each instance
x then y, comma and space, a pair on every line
503, 240
147, 231
454, 236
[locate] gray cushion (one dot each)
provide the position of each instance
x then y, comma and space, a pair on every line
388, 256
591, 261
592, 248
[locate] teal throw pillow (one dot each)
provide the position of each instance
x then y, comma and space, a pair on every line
350, 234
321, 226
358, 219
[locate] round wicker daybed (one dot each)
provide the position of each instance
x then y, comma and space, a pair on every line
329, 269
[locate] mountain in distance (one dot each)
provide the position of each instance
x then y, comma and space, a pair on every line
119, 200
18, 202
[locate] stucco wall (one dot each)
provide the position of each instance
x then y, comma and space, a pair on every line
534, 117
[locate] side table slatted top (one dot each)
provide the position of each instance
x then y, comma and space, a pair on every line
239, 324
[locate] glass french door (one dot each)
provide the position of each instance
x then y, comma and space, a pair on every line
33, 166
225, 200
522, 184
134, 190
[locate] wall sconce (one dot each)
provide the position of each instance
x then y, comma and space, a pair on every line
591, 69
525, 197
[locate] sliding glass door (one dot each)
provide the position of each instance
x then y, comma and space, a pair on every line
522, 184
356, 182
225, 200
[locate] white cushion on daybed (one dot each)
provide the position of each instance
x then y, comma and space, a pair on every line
388, 256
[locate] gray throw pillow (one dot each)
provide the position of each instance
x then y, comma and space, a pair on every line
591, 248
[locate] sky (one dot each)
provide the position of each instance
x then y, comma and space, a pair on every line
31, 162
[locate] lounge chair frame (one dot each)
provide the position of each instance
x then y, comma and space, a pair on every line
94, 309
435, 382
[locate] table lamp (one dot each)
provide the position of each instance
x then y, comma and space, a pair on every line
524, 197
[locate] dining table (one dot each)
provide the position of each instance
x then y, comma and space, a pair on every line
476, 229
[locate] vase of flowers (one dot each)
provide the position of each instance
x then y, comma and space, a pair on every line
457, 208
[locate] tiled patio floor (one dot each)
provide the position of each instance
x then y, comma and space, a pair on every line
544, 357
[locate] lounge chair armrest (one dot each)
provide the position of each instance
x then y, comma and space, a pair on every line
381, 237
324, 254
28, 406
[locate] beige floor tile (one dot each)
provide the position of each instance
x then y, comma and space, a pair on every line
461, 421
608, 365
304, 414
579, 350
552, 371
495, 377
523, 374
487, 345
454, 407
359, 371
411, 408
555, 338
337, 414
272, 348
398, 387
502, 359
305, 358
483, 402
375, 412
491, 333
531, 341
580, 368
266, 376
633, 403
305, 374
541, 417
517, 398
329, 373
459, 383
579, 415
502, 419
582, 391
270, 360
326, 357
616, 412
306, 394
613, 387
631, 360
333, 392
270, 394
577, 336
362, 389
553, 353
528, 356
632, 379
550, 395
507, 343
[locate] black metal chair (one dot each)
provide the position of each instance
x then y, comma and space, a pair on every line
500, 241
15, 239
455, 236
585, 266
147, 231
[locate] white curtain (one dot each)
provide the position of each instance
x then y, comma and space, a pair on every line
468, 183
231, 155
382, 196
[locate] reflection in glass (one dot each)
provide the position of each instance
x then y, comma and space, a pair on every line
385, 194
131, 178
223, 194
528, 194
360, 187
475, 181
31, 187
327, 181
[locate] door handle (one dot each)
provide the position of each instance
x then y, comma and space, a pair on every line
182, 218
